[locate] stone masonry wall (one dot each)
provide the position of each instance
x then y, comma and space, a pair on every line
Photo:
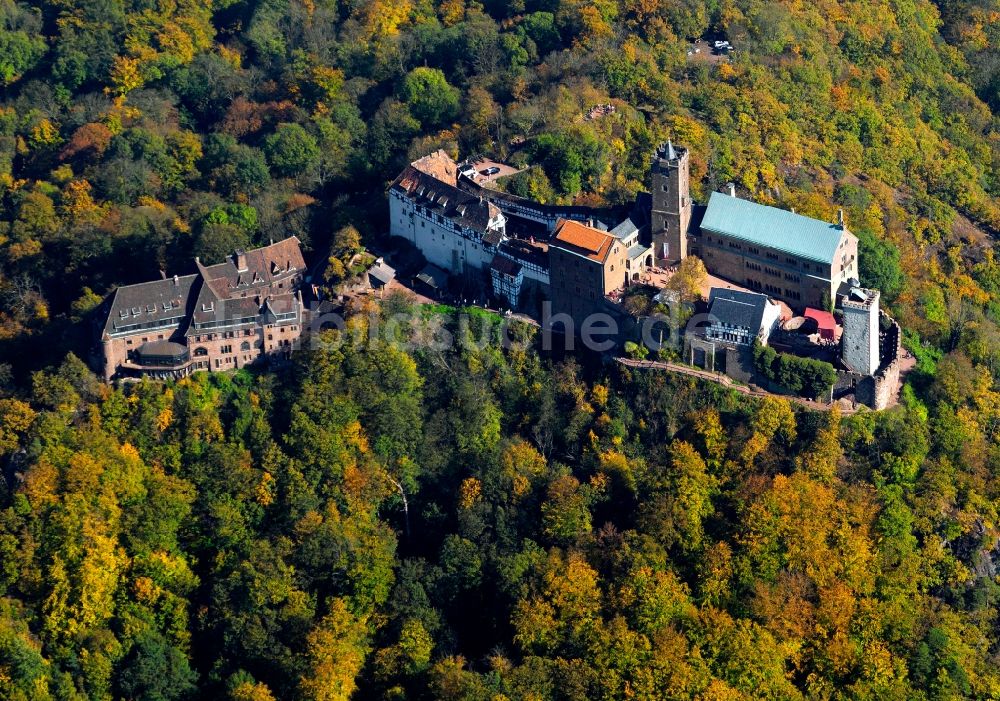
879, 390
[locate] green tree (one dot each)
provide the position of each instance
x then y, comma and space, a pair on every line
429, 96
291, 150
157, 671
879, 266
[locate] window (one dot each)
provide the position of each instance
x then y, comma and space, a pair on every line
244, 346
226, 349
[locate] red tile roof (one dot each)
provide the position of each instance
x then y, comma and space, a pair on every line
585, 240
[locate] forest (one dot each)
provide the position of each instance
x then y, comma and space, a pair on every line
489, 522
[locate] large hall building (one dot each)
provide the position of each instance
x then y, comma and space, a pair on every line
242, 311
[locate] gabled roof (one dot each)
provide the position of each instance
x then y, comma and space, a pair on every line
427, 183
433, 276
626, 228
505, 266
737, 308
149, 302
583, 240
256, 268
775, 228
382, 272
230, 290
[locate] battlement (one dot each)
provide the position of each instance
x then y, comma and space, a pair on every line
860, 299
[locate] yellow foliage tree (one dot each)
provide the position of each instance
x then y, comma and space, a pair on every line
335, 653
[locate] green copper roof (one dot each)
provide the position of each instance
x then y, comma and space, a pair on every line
772, 227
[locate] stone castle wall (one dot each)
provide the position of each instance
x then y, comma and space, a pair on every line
878, 391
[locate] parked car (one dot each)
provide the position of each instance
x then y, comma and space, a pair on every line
492, 170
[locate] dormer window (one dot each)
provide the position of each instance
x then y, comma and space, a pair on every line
136, 311
167, 306
123, 313
208, 306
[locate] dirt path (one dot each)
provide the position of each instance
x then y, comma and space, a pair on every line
726, 381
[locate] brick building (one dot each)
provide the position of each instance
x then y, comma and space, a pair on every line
244, 310
800, 260
586, 265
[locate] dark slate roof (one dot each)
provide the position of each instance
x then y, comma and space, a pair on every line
260, 267
525, 252
433, 276
492, 238
382, 272
254, 308
232, 289
465, 209
737, 308
148, 303
637, 251
626, 228
505, 266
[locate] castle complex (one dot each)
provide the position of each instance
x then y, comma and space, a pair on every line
583, 259
461, 227
249, 308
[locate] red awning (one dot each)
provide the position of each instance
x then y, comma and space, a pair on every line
825, 321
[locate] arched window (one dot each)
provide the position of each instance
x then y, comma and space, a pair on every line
200, 351
244, 346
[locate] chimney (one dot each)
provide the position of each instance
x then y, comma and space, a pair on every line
176, 281
732, 189
840, 218
241, 261
163, 275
